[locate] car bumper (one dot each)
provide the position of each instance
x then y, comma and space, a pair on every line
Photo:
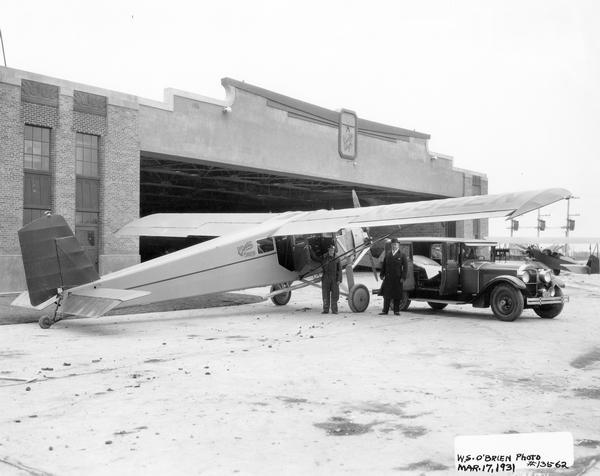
539, 301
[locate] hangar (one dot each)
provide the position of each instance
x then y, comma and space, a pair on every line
102, 158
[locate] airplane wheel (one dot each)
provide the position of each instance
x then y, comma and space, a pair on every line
358, 298
404, 302
283, 298
45, 322
507, 302
438, 306
550, 311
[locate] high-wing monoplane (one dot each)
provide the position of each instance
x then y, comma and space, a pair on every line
547, 250
249, 250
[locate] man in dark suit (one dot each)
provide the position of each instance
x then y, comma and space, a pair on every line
330, 283
393, 273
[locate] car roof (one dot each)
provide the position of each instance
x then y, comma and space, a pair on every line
443, 239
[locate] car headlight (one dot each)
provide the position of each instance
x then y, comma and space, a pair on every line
552, 291
523, 273
546, 275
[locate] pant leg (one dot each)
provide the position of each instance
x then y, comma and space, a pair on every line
396, 305
335, 296
386, 304
325, 291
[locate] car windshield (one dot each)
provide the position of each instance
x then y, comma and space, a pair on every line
479, 253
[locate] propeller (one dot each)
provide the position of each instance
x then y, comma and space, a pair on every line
368, 239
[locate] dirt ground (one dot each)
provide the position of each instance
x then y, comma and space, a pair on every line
266, 390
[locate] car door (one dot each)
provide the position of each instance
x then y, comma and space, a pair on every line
450, 274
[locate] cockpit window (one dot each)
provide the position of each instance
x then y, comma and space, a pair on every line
265, 245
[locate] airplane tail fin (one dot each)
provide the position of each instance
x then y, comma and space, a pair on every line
52, 258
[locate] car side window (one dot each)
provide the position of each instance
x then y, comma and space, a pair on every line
436, 252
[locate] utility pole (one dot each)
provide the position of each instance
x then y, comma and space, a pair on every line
570, 223
2, 43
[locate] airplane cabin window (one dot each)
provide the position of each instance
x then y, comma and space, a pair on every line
265, 245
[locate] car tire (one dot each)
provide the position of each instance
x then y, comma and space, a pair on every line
507, 302
550, 311
404, 302
437, 306
358, 298
283, 298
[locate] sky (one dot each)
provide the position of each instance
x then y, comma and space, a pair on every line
508, 88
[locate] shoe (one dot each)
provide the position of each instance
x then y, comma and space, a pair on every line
333, 312
396, 314
324, 312
383, 313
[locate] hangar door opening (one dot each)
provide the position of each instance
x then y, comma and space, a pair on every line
175, 186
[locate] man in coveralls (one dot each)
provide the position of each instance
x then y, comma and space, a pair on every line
330, 283
393, 273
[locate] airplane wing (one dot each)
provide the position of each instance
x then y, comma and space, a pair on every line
507, 205
193, 224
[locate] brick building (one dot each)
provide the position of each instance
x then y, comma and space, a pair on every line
102, 158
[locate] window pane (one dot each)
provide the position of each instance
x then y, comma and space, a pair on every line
28, 147
37, 148
28, 133
37, 133
87, 140
87, 155
46, 149
45, 163
45, 135
79, 168
79, 138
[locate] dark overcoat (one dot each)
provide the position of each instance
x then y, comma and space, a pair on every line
393, 273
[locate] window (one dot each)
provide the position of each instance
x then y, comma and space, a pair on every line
36, 153
86, 158
87, 194
36, 179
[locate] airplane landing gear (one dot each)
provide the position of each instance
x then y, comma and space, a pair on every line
283, 298
45, 322
358, 298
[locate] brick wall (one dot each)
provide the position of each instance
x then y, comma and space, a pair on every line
11, 170
119, 188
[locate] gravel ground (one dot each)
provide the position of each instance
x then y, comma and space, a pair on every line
260, 389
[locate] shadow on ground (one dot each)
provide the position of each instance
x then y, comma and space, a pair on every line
18, 315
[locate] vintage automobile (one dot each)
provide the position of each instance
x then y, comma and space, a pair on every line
446, 271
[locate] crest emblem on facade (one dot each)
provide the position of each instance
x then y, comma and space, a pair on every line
347, 134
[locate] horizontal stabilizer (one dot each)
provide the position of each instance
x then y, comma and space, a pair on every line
95, 302
22, 300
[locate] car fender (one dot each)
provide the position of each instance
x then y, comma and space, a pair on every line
513, 280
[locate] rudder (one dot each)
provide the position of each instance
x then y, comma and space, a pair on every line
52, 258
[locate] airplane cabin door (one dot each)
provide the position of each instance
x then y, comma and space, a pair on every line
450, 273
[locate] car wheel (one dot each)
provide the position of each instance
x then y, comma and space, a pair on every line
507, 302
550, 311
404, 302
358, 298
556, 272
283, 298
438, 306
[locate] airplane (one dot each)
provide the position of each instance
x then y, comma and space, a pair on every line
549, 254
249, 250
